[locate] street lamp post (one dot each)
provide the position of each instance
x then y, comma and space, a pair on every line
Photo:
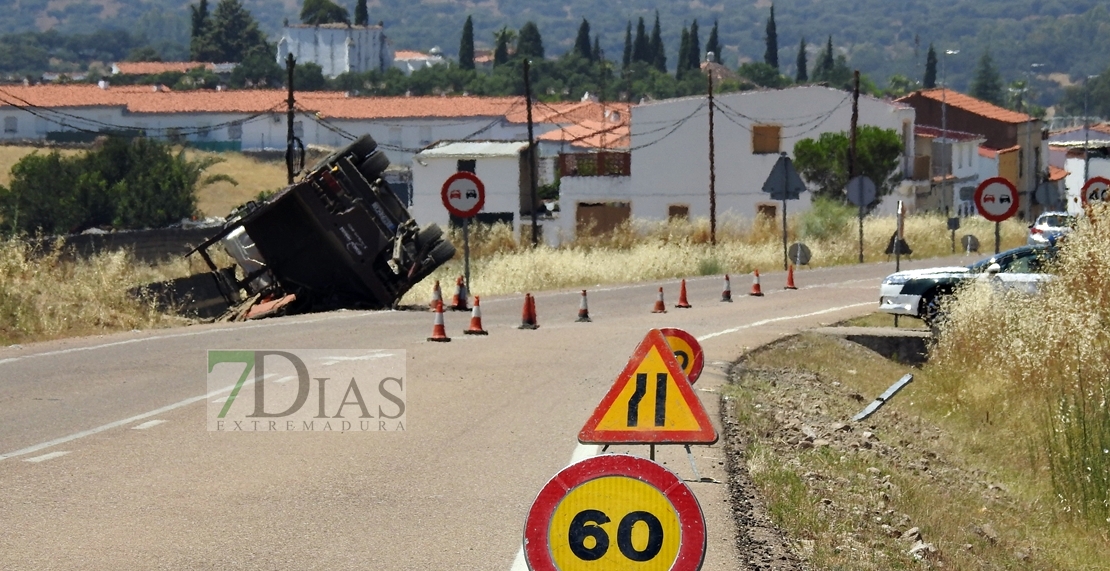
1032, 157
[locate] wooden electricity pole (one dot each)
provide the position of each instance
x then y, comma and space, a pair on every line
290, 63
712, 167
531, 153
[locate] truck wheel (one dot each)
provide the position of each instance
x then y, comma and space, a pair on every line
428, 236
374, 165
361, 147
442, 253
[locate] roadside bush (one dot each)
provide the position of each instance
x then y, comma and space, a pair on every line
827, 218
1045, 363
138, 183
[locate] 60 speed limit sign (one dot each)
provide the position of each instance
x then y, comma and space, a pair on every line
615, 512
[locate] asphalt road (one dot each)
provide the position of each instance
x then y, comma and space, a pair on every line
90, 480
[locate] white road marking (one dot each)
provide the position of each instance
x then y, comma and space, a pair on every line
148, 424
784, 318
236, 327
46, 457
116, 424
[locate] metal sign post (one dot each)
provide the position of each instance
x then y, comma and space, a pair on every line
784, 184
861, 192
464, 195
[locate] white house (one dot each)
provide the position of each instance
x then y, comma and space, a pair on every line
670, 152
336, 48
956, 166
410, 61
1066, 152
503, 168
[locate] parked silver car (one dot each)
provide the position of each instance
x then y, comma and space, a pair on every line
1049, 227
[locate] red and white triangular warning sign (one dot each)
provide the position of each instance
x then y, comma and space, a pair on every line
651, 402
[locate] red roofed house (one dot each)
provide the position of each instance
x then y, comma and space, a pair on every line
1004, 130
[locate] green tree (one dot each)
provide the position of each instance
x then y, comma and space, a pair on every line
145, 53
898, 85
693, 54
466, 45
582, 42
825, 63
233, 35
713, 44
317, 12
930, 79
987, 84
259, 69
771, 54
530, 44
201, 29
657, 50
362, 15
801, 75
1092, 96
762, 74
683, 53
138, 183
502, 39
641, 46
626, 60
596, 51
824, 162
309, 76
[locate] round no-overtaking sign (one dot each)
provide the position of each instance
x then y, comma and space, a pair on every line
463, 194
996, 198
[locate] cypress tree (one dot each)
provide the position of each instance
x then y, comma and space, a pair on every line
987, 84
582, 42
683, 54
466, 44
201, 25
930, 79
693, 55
597, 49
771, 55
802, 75
362, 15
824, 63
529, 43
713, 44
502, 39
627, 59
640, 47
658, 52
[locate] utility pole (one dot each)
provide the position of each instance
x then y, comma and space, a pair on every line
947, 146
531, 153
290, 62
712, 167
852, 153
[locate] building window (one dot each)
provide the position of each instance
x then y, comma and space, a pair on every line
298, 129
767, 210
1021, 162
466, 165
11, 125
679, 211
235, 131
766, 139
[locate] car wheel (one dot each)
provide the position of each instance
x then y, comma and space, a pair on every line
930, 308
428, 235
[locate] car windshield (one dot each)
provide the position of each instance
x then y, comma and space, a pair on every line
1024, 260
1056, 220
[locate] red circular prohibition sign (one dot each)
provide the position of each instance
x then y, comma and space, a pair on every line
691, 551
473, 204
981, 196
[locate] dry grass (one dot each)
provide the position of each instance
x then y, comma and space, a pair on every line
929, 469
46, 296
658, 250
10, 155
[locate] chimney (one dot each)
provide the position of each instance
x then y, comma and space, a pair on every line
103, 84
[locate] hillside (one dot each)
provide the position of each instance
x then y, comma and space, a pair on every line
878, 36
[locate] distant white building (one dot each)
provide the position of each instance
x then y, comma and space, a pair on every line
337, 48
410, 61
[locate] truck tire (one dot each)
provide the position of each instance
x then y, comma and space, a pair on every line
428, 235
442, 253
374, 165
360, 148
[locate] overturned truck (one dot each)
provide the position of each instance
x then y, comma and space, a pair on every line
339, 238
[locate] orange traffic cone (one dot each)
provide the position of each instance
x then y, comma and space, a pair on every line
682, 303
528, 313
439, 333
437, 296
755, 284
726, 294
583, 310
790, 278
476, 319
458, 302
660, 307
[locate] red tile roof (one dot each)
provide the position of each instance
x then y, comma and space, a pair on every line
987, 152
934, 133
1056, 173
972, 105
156, 67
